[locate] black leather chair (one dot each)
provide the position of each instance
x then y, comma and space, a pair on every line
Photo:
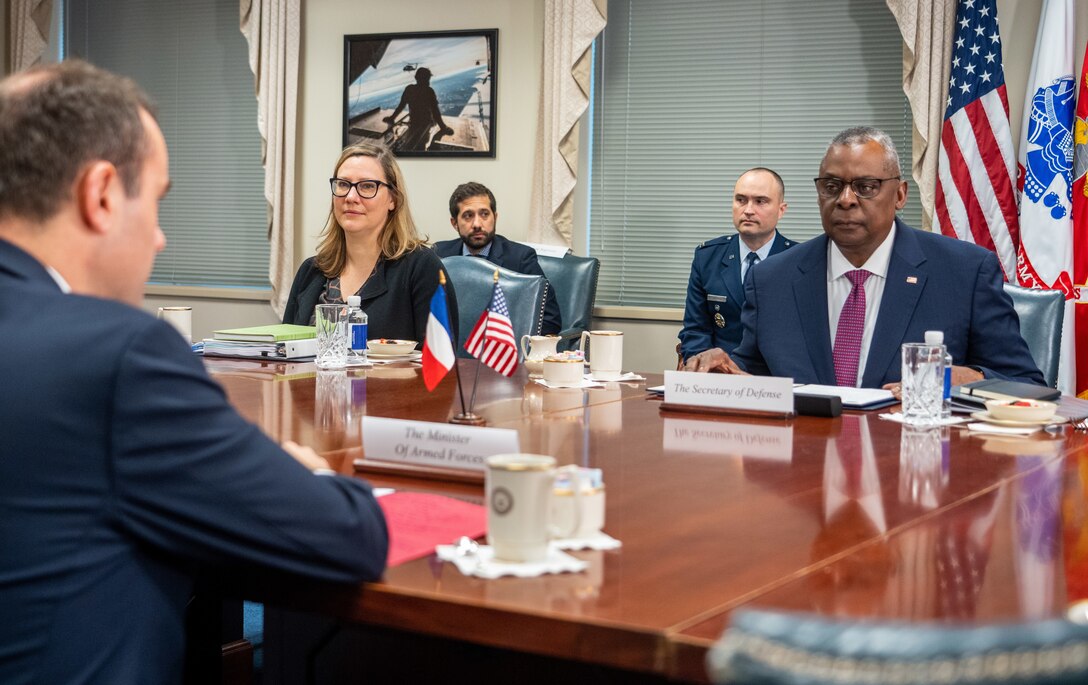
575, 282
769, 648
1041, 315
473, 279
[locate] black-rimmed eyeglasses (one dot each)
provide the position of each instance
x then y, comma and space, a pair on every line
829, 187
365, 188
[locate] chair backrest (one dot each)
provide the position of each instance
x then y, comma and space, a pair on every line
575, 282
1041, 313
472, 279
771, 648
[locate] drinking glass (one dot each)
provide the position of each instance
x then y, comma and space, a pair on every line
923, 383
331, 321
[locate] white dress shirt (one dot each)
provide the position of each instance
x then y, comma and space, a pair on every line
838, 288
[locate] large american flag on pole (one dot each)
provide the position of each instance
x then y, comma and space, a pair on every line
976, 168
492, 340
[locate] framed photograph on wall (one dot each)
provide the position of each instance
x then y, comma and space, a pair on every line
422, 94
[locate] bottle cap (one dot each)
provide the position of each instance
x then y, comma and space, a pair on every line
355, 301
934, 337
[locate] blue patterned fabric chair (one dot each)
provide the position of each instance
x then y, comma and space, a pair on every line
575, 282
769, 648
473, 279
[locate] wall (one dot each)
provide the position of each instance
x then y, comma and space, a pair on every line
430, 181
520, 27
657, 338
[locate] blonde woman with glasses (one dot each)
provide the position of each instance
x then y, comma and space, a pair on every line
370, 247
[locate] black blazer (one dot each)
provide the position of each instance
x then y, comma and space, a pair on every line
516, 257
396, 299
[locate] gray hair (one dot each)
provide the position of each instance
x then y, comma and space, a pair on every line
859, 135
56, 119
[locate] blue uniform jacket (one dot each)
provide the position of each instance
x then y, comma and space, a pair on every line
714, 288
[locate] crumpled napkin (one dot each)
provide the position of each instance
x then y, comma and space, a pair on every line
586, 383
600, 540
983, 427
625, 378
950, 421
482, 564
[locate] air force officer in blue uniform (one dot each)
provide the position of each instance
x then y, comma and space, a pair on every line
716, 284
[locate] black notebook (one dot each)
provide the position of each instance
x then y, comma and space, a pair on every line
974, 395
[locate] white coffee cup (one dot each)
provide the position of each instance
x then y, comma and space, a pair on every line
589, 509
520, 489
605, 353
180, 318
563, 372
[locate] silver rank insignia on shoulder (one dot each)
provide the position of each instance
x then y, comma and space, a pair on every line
719, 320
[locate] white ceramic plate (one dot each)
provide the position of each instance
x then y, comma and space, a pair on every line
985, 416
397, 347
415, 354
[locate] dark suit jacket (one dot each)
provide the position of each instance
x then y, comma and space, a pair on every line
396, 299
714, 287
125, 474
934, 283
516, 257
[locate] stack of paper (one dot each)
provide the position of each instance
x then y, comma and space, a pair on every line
279, 341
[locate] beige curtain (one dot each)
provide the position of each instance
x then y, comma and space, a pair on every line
29, 32
927, 29
570, 26
271, 28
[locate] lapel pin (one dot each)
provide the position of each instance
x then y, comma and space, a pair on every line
912, 279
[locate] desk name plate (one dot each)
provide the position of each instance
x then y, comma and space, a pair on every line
725, 393
434, 445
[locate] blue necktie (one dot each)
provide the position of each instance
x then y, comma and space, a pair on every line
752, 260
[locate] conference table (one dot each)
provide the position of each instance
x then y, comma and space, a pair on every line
853, 517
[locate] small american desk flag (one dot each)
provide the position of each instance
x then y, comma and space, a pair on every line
976, 169
492, 340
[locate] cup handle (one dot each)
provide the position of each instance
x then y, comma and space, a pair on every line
524, 347
582, 344
576, 482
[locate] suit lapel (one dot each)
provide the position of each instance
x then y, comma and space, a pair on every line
906, 280
810, 293
375, 285
497, 251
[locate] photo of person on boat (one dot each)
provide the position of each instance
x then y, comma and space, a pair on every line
422, 94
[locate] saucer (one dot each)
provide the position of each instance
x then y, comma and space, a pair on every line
411, 356
985, 416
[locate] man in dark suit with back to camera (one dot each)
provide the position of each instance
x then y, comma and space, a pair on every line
125, 475
473, 216
837, 309
718, 270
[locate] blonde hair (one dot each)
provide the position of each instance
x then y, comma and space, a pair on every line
399, 235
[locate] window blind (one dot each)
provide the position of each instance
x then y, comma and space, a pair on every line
192, 60
688, 94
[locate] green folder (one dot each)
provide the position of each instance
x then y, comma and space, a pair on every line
281, 332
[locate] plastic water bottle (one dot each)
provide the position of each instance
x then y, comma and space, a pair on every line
937, 338
356, 331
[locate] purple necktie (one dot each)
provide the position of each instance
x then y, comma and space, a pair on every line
851, 327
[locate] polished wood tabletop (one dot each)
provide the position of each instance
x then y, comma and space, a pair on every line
855, 517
